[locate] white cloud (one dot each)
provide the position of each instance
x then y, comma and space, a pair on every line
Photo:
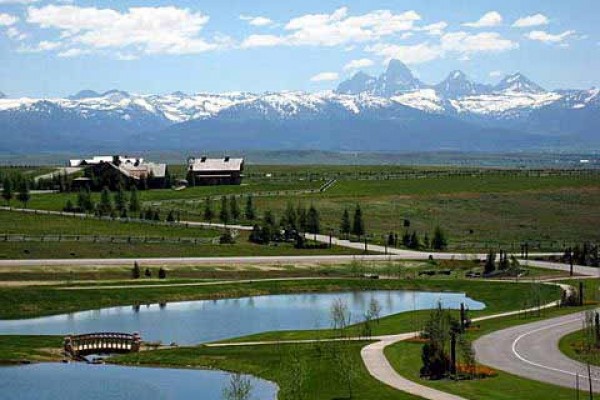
531, 20
126, 57
42, 46
542, 36
496, 74
461, 44
15, 34
73, 52
7, 19
325, 77
145, 30
262, 41
436, 29
465, 43
492, 18
358, 64
18, 1
257, 21
338, 28
408, 54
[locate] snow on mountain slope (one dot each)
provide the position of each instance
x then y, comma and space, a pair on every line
424, 100
504, 104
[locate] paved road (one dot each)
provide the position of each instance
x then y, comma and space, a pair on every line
531, 351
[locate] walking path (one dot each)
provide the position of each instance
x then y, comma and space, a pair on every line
377, 364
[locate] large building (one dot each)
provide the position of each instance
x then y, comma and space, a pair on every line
215, 171
112, 171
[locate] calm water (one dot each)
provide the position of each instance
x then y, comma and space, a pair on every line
102, 382
193, 322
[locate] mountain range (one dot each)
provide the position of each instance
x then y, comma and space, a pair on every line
394, 111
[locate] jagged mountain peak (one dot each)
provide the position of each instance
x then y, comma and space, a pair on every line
457, 85
397, 78
518, 82
360, 82
2, 95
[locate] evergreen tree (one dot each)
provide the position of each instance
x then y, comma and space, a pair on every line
302, 218
415, 243
224, 213
135, 272
84, 200
69, 206
503, 264
134, 201
358, 227
105, 207
171, 216
7, 190
406, 239
234, 208
439, 241
208, 214
312, 220
426, 241
24, 196
490, 263
345, 226
120, 199
249, 211
269, 219
290, 218
255, 235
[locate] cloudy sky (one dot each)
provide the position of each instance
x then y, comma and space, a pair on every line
57, 47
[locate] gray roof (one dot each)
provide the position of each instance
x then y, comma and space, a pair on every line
204, 164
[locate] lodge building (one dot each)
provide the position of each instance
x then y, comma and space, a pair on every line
205, 171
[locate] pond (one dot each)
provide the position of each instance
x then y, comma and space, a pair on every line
193, 322
100, 382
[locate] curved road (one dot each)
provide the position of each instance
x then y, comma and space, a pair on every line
531, 351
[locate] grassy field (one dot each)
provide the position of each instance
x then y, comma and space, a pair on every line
319, 365
242, 248
574, 346
36, 225
56, 201
12, 222
477, 211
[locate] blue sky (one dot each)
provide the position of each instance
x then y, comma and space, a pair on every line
55, 48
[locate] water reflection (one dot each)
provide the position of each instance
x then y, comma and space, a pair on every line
194, 322
94, 382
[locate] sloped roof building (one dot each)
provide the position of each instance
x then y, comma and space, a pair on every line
215, 171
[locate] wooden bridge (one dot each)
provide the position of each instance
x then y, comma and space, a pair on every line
78, 346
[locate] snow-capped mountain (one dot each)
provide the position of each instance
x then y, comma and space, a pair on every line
405, 112
457, 85
518, 83
395, 80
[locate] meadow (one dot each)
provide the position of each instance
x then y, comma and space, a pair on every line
477, 208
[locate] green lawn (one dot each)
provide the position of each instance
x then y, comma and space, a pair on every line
13, 222
33, 348
575, 346
320, 368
